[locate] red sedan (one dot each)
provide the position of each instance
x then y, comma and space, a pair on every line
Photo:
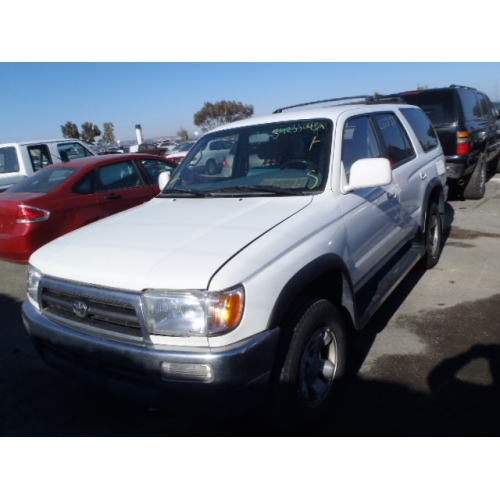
63, 197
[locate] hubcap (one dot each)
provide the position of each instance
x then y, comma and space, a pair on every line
318, 367
433, 235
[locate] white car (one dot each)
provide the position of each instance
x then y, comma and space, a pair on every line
180, 151
209, 159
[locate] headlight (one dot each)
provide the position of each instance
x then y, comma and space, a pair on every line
188, 313
33, 280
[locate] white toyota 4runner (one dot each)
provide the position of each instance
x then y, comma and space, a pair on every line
248, 284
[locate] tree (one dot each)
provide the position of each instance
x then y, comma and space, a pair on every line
422, 87
89, 132
213, 115
108, 137
183, 135
70, 131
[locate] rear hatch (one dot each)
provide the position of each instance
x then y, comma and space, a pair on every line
439, 106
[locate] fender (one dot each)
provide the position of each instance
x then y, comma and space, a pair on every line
343, 290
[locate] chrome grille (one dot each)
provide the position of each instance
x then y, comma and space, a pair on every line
92, 310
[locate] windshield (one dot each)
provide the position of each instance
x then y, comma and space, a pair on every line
287, 158
44, 181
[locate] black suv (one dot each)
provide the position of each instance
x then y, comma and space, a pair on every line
468, 127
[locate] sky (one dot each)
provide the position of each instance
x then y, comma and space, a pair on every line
38, 97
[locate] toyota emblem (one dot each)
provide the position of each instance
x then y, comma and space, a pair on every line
80, 308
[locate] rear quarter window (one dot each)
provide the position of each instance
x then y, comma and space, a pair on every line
422, 127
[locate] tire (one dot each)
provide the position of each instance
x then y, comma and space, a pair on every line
433, 237
476, 185
211, 167
310, 365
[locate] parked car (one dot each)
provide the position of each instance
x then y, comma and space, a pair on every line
210, 158
60, 198
19, 160
151, 149
468, 128
167, 144
222, 290
179, 153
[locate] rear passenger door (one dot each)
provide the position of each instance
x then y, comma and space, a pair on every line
120, 186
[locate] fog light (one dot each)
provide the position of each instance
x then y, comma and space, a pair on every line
187, 372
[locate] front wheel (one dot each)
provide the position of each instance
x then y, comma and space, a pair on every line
312, 361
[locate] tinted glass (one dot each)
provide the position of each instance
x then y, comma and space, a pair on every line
8, 160
397, 145
470, 104
422, 127
358, 141
437, 104
486, 107
44, 181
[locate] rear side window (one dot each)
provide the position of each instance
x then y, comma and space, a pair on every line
8, 160
71, 150
422, 127
398, 148
470, 104
486, 107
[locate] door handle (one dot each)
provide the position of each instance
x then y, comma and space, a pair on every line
113, 197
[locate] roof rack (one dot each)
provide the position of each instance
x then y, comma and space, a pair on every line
462, 87
366, 99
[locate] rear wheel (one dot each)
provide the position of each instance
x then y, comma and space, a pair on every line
476, 185
311, 363
433, 237
211, 167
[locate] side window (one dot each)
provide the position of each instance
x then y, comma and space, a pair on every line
121, 175
486, 107
39, 156
8, 160
358, 141
470, 104
85, 185
422, 127
72, 150
155, 167
398, 148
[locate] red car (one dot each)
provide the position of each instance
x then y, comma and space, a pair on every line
63, 197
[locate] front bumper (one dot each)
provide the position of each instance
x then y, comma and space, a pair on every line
240, 371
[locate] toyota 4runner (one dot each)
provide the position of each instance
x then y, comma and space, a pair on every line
248, 284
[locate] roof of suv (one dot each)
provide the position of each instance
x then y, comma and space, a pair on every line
328, 111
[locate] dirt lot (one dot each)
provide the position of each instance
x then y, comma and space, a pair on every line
427, 364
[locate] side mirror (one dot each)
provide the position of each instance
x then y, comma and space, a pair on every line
163, 179
369, 172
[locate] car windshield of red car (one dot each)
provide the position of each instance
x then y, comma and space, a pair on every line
44, 181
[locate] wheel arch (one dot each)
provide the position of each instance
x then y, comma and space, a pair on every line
326, 277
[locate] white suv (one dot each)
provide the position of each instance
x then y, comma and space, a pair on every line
248, 284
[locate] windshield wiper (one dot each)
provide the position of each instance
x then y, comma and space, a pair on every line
259, 189
189, 192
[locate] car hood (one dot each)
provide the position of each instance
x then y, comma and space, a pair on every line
165, 243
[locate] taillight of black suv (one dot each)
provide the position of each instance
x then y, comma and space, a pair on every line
469, 131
